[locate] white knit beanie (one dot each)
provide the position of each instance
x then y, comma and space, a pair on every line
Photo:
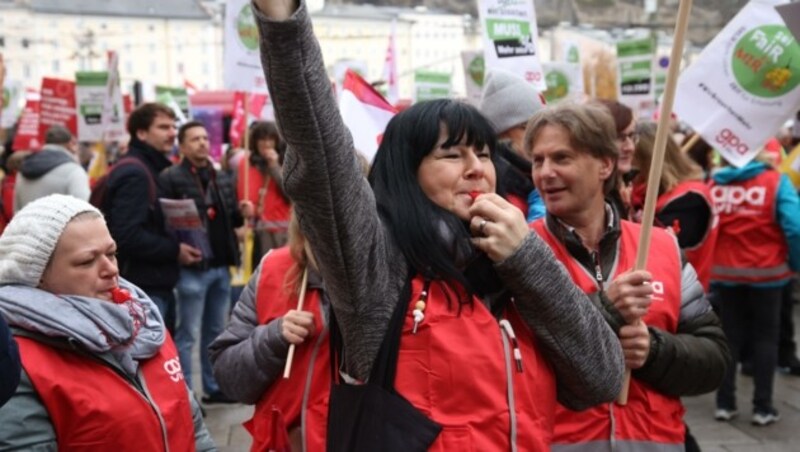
31, 237
508, 100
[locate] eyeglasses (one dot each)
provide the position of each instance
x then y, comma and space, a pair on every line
634, 137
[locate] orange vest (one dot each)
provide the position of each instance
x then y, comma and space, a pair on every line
751, 247
459, 370
302, 399
93, 408
274, 209
701, 256
650, 418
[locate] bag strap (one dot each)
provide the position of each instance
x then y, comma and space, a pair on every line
384, 369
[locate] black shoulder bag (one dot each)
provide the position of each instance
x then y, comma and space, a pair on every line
373, 416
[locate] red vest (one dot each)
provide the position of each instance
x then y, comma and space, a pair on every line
310, 375
701, 256
454, 371
92, 408
275, 211
751, 247
649, 416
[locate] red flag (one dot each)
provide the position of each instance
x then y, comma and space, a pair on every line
365, 112
239, 120
256, 105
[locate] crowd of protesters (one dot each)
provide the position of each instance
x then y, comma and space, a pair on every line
474, 287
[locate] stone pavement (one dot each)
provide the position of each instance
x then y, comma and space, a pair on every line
225, 421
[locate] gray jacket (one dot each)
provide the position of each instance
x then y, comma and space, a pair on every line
363, 269
51, 170
248, 357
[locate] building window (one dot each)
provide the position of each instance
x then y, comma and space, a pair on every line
153, 68
129, 66
26, 71
206, 68
56, 66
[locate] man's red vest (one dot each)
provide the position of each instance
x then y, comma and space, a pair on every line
310, 379
751, 246
650, 418
93, 408
701, 256
275, 210
459, 370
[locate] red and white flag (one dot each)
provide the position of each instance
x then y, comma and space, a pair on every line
365, 112
390, 68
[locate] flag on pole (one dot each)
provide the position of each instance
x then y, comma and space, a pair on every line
239, 120
365, 112
390, 67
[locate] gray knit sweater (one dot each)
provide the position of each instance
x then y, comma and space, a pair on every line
361, 264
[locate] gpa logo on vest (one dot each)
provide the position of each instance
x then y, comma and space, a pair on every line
734, 199
658, 290
173, 368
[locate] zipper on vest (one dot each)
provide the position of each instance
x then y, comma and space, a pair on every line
147, 396
512, 413
506, 325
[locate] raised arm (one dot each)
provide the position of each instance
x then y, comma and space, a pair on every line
332, 199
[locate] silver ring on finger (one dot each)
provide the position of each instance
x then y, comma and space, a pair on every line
481, 226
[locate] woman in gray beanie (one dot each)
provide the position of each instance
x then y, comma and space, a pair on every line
99, 369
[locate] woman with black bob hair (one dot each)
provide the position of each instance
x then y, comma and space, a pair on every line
442, 298
428, 235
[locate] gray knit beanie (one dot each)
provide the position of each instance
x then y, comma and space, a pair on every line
508, 100
31, 237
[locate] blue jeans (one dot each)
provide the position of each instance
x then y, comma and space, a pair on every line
165, 302
203, 298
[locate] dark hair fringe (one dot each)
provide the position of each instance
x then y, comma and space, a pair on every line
412, 218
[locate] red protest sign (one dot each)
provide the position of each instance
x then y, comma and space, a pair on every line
57, 106
27, 137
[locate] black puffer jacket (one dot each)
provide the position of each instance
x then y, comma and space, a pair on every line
688, 362
147, 254
183, 181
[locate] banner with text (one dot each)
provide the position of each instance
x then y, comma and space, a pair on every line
27, 137
635, 74
91, 92
510, 37
744, 85
242, 66
430, 85
57, 106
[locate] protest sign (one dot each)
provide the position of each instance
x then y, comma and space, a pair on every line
474, 70
509, 38
635, 74
91, 92
57, 106
242, 66
429, 85
744, 84
27, 137
564, 82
